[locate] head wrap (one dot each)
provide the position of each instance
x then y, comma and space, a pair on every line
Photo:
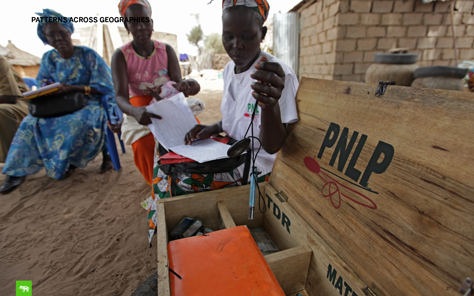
63, 21
124, 4
261, 6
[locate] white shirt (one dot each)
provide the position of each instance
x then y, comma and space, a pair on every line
238, 103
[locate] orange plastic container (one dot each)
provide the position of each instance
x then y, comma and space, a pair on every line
226, 262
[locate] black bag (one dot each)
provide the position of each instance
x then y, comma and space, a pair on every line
210, 167
57, 105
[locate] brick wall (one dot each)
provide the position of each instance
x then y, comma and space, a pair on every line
339, 38
319, 35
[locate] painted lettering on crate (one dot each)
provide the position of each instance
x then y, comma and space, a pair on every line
279, 214
339, 284
343, 150
341, 153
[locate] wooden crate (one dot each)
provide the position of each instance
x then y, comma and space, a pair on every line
380, 194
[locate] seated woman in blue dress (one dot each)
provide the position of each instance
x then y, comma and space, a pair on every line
60, 144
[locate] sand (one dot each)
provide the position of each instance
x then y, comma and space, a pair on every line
86, 235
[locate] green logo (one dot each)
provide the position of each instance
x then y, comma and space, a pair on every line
251, 107
23, 288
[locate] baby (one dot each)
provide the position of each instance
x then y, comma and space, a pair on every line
189, 87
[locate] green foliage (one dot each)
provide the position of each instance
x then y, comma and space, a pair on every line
213, 43
195, 36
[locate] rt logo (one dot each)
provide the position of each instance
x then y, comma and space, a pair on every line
24, 288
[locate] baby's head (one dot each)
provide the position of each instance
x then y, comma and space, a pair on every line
189, 87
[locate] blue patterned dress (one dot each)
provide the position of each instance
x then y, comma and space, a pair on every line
72, 139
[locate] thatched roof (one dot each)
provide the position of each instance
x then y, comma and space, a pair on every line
5, 52
20, 57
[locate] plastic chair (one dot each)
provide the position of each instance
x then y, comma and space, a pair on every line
115, 118
30, 82
111, 145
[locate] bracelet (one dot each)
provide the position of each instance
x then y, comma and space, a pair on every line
87, 90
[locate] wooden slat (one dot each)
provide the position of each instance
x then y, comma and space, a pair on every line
239, 207
301, 233
419, 239
204, 206
290, 267
163, 271
273, 225
224, 215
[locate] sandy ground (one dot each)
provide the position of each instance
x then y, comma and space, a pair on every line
86, 235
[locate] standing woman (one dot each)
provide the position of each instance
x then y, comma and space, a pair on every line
253, 79
135, 66
63, 143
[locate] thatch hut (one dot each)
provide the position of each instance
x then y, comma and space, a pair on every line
26, 64
5, 52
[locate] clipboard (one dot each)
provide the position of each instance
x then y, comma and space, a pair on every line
42, 91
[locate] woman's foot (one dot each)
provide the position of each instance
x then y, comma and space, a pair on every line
107, 163
11, 183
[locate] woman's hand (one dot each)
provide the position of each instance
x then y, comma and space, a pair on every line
66, 88
200, 132
142, 116
154, 92
270, 85
115, 128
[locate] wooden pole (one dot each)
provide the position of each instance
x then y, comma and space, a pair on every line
454, 35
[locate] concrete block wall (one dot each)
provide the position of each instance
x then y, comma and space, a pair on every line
341, 37
319, 35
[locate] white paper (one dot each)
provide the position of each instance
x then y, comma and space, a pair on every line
181, 101
203, 150
177, 120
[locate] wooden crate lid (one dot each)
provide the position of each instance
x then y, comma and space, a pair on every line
387, 182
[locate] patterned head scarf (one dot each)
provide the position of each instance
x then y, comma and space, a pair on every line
124, 4
261, 6
64, 21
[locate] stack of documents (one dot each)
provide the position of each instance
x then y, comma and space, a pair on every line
177, 120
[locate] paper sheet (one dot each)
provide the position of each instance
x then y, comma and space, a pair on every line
203, 150
177, 120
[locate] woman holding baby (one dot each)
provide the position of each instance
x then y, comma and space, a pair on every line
253, 80
139, 69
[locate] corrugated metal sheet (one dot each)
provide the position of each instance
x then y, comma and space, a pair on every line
286, 38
